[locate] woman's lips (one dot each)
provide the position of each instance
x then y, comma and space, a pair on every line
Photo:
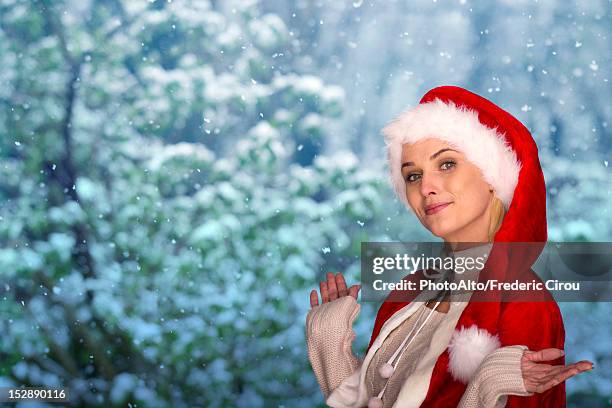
437, 208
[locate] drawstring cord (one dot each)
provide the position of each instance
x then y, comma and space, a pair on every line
387, 369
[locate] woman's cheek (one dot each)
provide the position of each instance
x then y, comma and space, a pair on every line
412, 199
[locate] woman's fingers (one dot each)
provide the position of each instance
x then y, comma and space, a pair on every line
583, 365
331, 286
542, 380
557, 379
314, 298
324, 292
341, 285
552, 373
354, 291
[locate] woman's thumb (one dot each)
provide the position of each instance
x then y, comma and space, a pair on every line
546, 354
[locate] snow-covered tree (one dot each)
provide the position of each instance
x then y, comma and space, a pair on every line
165, 204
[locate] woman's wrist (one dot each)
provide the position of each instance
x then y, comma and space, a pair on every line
333, 317
501, 371
498, 376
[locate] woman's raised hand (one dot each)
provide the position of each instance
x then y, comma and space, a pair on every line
333, 288
540, 377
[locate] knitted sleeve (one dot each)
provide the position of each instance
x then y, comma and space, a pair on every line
498, 376
329, 336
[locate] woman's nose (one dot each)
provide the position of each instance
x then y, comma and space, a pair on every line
430, 184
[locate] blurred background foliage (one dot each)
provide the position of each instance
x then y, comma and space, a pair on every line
176, 175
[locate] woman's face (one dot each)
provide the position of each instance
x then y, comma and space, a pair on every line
446, 192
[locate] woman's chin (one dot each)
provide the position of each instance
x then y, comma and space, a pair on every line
441, 232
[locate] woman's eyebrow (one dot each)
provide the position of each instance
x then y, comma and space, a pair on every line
433, 156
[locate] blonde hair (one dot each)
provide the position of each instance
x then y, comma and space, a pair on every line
497, 216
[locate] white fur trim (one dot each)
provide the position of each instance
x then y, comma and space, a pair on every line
459, 126
467, 349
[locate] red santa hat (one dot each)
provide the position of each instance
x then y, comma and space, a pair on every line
503, 148
469, 125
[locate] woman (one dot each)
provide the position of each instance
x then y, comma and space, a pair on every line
471, 174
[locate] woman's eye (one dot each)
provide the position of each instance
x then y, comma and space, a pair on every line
412, 177
447, 164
